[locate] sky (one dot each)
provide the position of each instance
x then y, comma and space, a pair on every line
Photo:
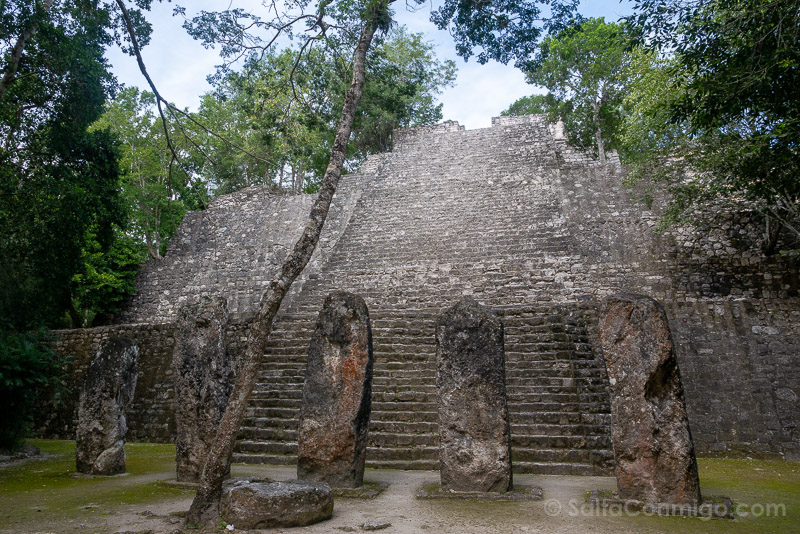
179, 65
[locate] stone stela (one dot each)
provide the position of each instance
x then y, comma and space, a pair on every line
337, 395
108, 390
653, 448
203, 372
474, 431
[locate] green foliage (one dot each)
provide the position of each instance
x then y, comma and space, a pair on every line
404, 77
283, 111
31, 373
108, 278
503, 30
154, 191
532, 105
732, 108
58, 180
585, 68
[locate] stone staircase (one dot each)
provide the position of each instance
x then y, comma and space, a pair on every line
444, 195
557, 394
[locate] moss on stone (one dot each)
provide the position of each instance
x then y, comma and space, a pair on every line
48, 493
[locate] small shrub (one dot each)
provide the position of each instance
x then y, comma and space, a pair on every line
31, 374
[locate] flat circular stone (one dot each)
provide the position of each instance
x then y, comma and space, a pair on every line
252, 505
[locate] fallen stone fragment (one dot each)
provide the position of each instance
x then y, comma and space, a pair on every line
653, 449
276, 504
375, 525
108, 389
474, 432
334, 418
203, 374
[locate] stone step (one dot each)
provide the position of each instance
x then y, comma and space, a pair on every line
411, 407
404, 465
282, 448
252, 424
395, 416
273, 412
551, 441
558, 455
432, 464
557, 388
267, 459
559, 468
558, 430
418, 452
396, 439
263, 391
275, 402
269, 433
400, 427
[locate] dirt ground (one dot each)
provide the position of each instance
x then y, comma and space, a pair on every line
106, 506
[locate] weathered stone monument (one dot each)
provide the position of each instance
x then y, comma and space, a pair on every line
252, 505
653, 449
332, 435
203, 373
107, 391
474, 431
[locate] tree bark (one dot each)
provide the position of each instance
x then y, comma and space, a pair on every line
205, 507
772, 233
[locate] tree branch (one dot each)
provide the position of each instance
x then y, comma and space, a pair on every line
16, 53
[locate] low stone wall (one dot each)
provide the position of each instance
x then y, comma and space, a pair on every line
151, 415
740, 363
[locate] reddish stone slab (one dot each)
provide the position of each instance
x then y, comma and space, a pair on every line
653, 449
334, 418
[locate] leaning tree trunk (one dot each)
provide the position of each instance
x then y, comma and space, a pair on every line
205, 507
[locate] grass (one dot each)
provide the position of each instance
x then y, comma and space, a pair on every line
49, 495
766, 494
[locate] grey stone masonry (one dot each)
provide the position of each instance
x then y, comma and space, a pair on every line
203, 372
515, 219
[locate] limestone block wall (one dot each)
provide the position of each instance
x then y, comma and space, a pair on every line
151, 414
735, 313
149, 417
233, 248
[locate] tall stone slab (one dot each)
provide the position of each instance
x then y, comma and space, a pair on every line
474, 431
108, 389
653, 449
203, 374
332, 435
